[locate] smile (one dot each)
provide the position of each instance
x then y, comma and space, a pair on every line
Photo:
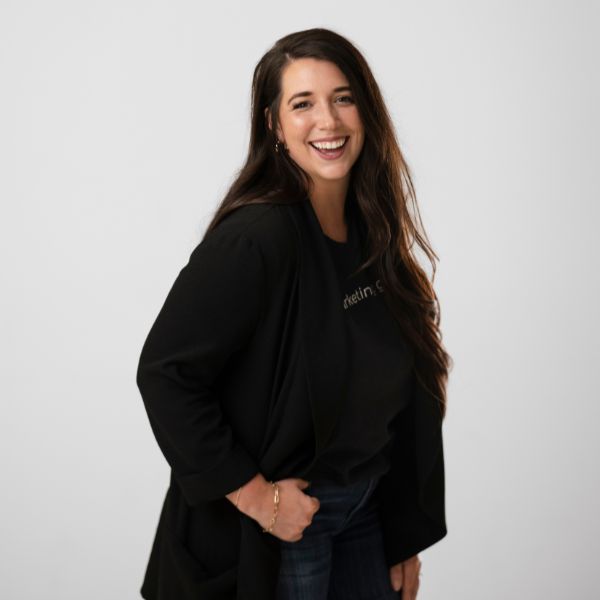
330, 150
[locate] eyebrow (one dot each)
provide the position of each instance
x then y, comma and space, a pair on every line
342, 88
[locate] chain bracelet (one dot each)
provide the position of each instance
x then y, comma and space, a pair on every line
276, 502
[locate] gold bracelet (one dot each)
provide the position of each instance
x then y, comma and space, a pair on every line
276, 502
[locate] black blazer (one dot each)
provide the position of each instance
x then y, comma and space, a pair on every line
242, 333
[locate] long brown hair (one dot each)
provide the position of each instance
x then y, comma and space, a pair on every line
381, 185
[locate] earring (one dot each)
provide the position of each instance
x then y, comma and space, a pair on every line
277, 146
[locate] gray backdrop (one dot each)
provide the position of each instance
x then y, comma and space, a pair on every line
122, 124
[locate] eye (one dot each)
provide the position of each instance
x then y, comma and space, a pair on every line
348, 100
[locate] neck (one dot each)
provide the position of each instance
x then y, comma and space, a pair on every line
328, 201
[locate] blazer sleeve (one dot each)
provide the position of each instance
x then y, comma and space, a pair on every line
210, 312
407, 528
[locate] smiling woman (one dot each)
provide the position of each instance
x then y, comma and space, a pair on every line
294, 377
323, 133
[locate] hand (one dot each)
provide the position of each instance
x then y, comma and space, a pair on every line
405, 576
295, 512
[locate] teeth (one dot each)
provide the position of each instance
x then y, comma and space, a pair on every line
329, 145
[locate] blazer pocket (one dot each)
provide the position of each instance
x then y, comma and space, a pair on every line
190, 578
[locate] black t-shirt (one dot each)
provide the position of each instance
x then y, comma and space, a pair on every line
380, 372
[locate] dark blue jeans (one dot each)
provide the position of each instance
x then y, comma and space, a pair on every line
340, 555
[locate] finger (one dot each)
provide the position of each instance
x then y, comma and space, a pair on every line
411, 581
303, 484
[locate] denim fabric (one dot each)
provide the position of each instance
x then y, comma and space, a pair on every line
340, 555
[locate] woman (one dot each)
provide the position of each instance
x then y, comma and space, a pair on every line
294, 377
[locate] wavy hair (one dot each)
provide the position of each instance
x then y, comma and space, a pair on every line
381, 185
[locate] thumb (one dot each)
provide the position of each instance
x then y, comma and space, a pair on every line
396, 578
303, 484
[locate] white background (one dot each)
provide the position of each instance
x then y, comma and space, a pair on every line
122, 125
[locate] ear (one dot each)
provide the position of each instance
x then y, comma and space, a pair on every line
268, 118
270, 123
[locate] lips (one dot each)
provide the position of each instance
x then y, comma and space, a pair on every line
330, 155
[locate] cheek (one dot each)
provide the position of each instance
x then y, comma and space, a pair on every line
361, 141
360, 133
298, 128
358, 126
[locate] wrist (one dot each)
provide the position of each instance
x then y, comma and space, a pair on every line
252, 496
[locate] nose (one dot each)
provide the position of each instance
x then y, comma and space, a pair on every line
327, 116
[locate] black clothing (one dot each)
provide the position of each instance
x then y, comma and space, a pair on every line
241, 343
380, 373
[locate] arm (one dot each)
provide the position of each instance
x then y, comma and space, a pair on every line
253, 496
408, 527
210, 313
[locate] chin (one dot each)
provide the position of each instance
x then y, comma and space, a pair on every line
330, 176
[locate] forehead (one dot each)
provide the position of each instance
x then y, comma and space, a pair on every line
309, 74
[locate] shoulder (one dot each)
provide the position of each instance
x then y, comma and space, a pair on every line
268, 226
265, 229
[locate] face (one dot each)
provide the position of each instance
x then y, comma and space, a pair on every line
317, 105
